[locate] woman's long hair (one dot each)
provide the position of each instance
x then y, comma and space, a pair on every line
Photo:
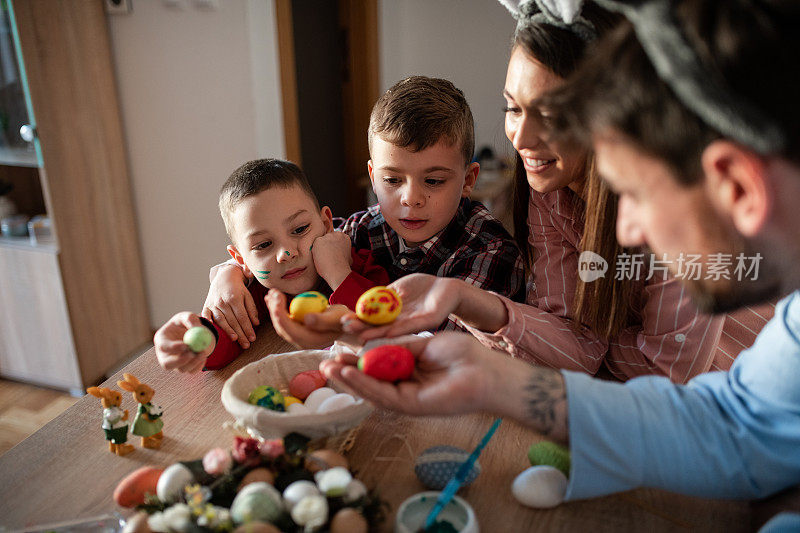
602, 305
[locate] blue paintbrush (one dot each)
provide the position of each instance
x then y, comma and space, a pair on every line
461, 474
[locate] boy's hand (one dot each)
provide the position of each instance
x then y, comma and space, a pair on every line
171, 351
427, 302
326, 325
332, 257
231, 306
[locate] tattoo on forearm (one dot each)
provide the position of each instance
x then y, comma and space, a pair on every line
546, 401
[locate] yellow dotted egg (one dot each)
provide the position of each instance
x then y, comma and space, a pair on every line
379, 305
307, 302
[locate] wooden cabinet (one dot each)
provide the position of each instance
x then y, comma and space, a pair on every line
73, 310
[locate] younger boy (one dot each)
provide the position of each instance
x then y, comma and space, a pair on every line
281, 237
421, 140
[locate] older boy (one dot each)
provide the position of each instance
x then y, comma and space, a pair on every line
421, 140
703, 147
281, 237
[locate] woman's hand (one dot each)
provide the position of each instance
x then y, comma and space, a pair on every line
231, 306
319, 330
427, 302
172, 352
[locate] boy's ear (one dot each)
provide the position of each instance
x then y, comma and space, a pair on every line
371, 177
327, 218
737, 183
238, 258
470, 178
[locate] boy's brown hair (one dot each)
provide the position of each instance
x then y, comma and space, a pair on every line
256, 176
419, 111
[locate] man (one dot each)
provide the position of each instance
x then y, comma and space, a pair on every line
704, 151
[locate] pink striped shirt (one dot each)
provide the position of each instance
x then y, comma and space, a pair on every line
672, 339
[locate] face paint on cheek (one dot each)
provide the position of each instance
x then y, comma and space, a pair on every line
287, 252
262, 274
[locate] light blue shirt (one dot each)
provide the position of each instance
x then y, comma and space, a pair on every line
732, 434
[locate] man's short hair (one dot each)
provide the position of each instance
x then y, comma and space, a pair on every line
419, 111
256, 176
751, 47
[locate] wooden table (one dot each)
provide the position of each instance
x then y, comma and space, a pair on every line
64, 471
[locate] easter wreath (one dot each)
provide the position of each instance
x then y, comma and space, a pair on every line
264, 486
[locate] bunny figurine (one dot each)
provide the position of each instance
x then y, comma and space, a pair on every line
147, 423
115, 420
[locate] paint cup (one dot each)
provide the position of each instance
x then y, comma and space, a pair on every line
412, 513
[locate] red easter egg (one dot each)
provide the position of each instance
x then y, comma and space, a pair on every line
132, 490
388, 363
305, 383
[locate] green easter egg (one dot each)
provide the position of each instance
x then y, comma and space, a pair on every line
550, 454
268, 397
198, 338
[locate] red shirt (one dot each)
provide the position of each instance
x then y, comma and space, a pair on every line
365, 274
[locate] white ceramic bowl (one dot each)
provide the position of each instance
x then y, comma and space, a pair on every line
277, 370
412, 513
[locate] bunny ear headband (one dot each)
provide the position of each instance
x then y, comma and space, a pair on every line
563, 14
674, 60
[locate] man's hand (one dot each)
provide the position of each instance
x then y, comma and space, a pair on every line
172, 352
455, 374
319, 330
231, 306
332, 257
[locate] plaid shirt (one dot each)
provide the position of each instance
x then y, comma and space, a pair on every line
474, 247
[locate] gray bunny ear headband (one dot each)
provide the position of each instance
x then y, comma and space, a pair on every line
563, 14
674, 60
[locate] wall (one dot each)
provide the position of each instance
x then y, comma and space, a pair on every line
465, 41
199, 95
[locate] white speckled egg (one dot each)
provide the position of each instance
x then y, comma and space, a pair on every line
297, 491
297, 409
316, 398
257, 501
172, 481
540, 487
336, 402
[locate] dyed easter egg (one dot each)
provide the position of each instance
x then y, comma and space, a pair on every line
132, 489
550, 454
289, 400
540, 487
305, 383
297, 491
316, 398
256, 475
379, 305
333, 482
435, 466
348, 520
171, 482
387, 362
355, 491
198, 338
257, 501
307, 302
324, 459
336, 402
311, 512
268, 397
